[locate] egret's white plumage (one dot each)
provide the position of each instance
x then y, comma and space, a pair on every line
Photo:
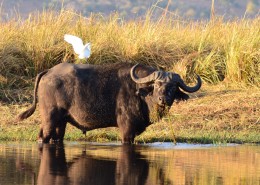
82, 50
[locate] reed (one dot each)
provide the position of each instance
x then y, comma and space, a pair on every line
218, 51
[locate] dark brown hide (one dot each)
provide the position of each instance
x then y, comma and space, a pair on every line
98, 96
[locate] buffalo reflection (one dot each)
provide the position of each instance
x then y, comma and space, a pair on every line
129, 167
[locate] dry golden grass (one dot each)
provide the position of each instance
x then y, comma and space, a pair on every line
216, 50
212, 115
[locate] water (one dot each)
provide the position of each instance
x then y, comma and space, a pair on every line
113, 163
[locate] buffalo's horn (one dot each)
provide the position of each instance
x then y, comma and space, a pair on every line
152, 77
186, 88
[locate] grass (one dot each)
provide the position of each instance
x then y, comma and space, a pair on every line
225, 54
214, 115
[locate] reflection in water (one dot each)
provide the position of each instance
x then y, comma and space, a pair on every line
128, 168
75, 163
26, 169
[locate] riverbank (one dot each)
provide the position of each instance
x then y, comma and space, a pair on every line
215, 114
224, 54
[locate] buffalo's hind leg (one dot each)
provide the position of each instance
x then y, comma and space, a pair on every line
40, 136
57, 134
53, 126
60, 131
46, 131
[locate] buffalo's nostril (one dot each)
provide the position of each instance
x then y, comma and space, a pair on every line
161, 100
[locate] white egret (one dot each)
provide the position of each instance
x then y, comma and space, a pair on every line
83, 51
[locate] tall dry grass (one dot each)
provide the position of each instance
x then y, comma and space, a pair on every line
227, 52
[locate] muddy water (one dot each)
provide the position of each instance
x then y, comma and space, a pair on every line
158, 163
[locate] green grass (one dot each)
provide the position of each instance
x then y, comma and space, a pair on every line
224, 54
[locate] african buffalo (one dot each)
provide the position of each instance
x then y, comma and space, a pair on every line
122, 95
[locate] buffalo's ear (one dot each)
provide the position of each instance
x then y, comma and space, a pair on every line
144, 91
180, 96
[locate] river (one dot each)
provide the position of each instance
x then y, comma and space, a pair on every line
116, 164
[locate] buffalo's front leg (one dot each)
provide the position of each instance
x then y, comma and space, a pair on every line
127, 137
127, 129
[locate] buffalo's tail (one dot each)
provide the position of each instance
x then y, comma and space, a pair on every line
31, 110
